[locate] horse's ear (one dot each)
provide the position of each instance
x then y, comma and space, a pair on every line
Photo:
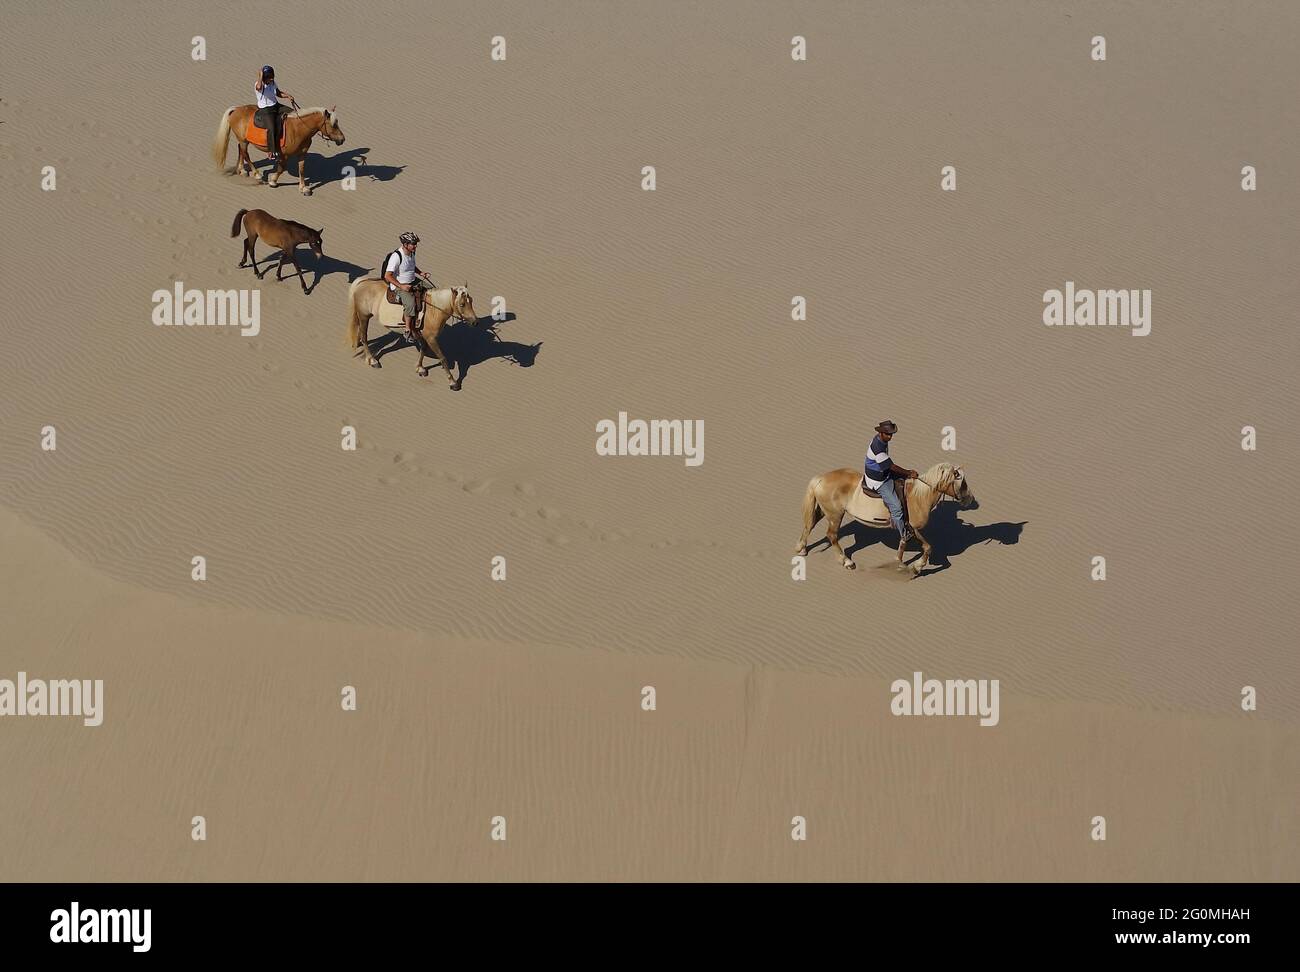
332, 107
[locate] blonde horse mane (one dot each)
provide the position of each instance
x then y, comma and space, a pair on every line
938, 477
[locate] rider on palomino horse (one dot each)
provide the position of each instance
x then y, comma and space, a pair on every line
269, 108
407, 281
879, 474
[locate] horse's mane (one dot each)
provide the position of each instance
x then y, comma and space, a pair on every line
941, 475
324, 111
302, 226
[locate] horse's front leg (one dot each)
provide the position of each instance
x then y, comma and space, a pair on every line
293, 258
302, 175
437, 352
924, 562
276, 171
284, 255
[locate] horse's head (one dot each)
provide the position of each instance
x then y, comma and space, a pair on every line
462, 305
314, 241
329, 126
961, 490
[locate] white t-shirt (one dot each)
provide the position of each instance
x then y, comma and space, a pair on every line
266, 97
402, 264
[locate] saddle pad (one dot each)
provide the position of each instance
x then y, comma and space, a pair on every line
871, 509
867, 509
257, 136
390, 315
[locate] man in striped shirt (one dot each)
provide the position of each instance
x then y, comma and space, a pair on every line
879, 474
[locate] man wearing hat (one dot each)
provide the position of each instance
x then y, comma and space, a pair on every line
880, 472
407, 281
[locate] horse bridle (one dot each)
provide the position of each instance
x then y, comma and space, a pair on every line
320, 129
951, 496
454, 312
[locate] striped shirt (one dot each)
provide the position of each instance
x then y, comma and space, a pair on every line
876, 469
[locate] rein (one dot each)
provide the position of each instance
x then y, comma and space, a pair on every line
951, 496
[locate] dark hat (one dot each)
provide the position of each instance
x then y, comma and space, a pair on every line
888, 427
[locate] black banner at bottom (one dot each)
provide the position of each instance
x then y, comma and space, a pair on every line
336, 921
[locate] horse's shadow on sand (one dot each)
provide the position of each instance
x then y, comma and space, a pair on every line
948, 534
322, 170
312, 267
468, 344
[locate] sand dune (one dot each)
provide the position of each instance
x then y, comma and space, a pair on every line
775, 179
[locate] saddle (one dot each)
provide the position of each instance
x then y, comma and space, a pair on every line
391, 312
866, 506
256, 134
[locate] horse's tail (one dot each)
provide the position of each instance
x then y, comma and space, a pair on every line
811, 511
239, 219
355, 316
220, 143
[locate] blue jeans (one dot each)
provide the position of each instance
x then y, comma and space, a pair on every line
890, 495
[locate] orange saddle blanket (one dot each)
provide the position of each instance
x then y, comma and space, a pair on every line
257, 136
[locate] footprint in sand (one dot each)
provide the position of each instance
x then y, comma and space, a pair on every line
548, 513
526, 489
271, 368
476, 486
300, 384
401, 457
387, 480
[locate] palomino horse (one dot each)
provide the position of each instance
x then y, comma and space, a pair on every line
839, 491
283, 234
368, 298
299, 129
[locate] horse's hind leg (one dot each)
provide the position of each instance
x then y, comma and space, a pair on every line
244, 164
833, 535
365, 343
809, 521
252, 252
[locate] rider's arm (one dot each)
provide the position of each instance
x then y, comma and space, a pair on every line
284, 94
390, 278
